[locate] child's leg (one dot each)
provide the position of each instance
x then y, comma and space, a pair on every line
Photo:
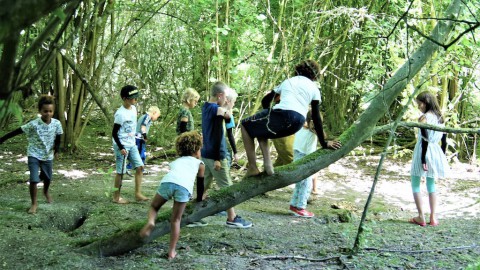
157, 202
116, 194
305, 187
135, 159
178, 208
33, 197
314, 184
46, 172
418, 198
432, 199
249, 144
138, 183
267, 161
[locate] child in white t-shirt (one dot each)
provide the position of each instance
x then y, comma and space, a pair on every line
177, 184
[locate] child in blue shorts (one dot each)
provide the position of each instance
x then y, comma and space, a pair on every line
44, 135
177, 184
123, 136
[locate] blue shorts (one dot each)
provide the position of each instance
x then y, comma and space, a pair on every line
272, 124
171, 190
133, 157
44, 166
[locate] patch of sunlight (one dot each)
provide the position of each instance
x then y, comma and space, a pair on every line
23, 159
73, 174
105, 154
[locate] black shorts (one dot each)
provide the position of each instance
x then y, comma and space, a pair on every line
272, 124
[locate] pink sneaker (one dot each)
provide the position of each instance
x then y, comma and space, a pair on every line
301, 212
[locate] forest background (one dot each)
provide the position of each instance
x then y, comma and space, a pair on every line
83, 52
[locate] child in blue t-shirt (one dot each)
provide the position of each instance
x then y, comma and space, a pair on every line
44, 135
177, 184
123, 137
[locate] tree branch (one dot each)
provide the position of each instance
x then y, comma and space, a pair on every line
384, 128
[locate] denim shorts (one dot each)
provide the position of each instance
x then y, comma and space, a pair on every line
133, 157
171, 190
272, 124
44, 166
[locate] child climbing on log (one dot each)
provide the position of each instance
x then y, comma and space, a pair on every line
177, 184
429, 158
44, 135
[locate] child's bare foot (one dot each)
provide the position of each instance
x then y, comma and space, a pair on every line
48, 197
172, 255
33, 209
146, 230
252, 172
139, 197
120, 200
269, 169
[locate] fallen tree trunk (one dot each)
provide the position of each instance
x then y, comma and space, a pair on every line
250, 187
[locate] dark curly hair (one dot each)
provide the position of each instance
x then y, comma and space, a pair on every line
188, 143
45, 100
308, 68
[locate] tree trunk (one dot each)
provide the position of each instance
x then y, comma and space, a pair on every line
250, 187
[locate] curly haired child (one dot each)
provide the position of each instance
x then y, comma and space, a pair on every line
177, 184
44, 135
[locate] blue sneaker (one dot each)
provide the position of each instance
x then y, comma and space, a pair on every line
239, 222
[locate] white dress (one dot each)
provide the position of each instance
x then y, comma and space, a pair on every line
435, 158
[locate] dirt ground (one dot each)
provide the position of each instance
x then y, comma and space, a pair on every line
82, 210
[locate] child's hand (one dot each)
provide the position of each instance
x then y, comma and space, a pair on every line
334, 144
235, 157
217, 165
425, 166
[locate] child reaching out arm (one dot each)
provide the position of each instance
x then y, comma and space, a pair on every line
177, 184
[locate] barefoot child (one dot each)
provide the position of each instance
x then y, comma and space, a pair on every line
177, 184
429, 158
123, 137
43, 134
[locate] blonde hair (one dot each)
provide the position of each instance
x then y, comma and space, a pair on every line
153, 110
231, 94
190, 94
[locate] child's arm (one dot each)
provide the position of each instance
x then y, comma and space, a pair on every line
56, 147
116, 128
444, 143
200, 182
14, 133
267, 99
317, 123
231, 140
143, 126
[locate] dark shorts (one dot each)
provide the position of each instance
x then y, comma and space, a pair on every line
272, 124
45, 167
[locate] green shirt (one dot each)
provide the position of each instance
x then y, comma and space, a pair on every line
184, 112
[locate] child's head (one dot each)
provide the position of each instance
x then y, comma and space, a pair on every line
308, 68
129, 92
190, 97
231, 98
309, 123
46, 107
188, 143
154, 112
426, 102
219, 92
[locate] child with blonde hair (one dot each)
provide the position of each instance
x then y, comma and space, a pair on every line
143, 126
185, 119
177, 184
